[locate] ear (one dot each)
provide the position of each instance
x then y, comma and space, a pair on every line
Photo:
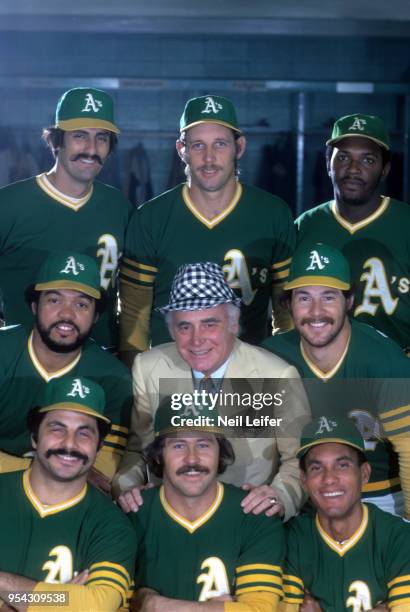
349, 302
240, 146
180, 147
365, 470
386, 170
33, 442
302, 476
34, 308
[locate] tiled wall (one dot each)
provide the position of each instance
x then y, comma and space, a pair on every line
174, 58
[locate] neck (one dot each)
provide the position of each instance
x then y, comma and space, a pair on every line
191, 508
49, 491
211, 203
50, 360
327, 357
341, 529
67, 184
357, 212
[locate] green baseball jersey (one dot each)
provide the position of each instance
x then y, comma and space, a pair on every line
23, 378
54, 543
252, 239
372, 566
223, 552
36, 219
378, 374
378, 250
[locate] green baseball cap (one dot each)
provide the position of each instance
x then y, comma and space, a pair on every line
209, 109
365, 126
77, 394
68, 270
324, 429
321, 265
185, 414
83, 107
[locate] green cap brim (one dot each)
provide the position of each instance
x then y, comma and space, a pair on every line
77, 124
68, 284
304, 449
321, 281
175, 431
333, 141
73, 407
224, 123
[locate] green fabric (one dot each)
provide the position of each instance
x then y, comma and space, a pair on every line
83, 107
366, 126
34, 224
379, 258
258, 233
379, 556
363, 387
79, 393
214, 109
93, 533
22, 387
330, 428
227, 542
318, 264
69, 271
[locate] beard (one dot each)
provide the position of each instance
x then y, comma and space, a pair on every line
57, 347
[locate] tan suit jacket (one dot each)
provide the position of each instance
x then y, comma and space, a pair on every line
161, 371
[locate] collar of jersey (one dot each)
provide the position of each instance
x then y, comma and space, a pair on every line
325, 376
47, 376
341, 549
43, 510
210, 223
354, 227
191, 527
74, 203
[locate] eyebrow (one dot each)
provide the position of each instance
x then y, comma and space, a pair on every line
57, 292
310, 462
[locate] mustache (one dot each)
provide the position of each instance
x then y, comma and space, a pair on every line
96, 158
210, 167
68, 453
64, 322
353, 179
309, 320
193, 467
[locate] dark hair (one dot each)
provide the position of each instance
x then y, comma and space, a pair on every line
286, 295
54, 139
361, 458
32, 295
35, 418
386, 155
153, 455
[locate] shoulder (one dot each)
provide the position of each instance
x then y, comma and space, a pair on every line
265, 360
317, 212
167, 198
18, 187
371, 337
286, 340
13, 338
262, 198
389, 526
104, 361
300, 527
102, 511
162, 354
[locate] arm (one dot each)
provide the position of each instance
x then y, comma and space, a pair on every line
132, 469
147, 600
11, 463
295, 412
284, 245
102, 598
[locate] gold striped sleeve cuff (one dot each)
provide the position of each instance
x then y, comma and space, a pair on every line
110, 574
258, 577
280, 271
137, 273
396, 422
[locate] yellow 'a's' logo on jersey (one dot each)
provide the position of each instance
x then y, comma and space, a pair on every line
108, 252
215, 580
361, 600
237, 275
61, 569
377, 287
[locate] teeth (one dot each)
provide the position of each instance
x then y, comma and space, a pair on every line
68, 458
333, 494
320, 324
87, 161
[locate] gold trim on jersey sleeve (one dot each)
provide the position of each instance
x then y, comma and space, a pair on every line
188, 525
381, 485
211, 223
354, 227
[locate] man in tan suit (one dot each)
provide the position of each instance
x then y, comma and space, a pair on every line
203, 316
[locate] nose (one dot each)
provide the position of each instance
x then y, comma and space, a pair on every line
191, 454
329, 476
316, 307
67, 310
209, 154
354, 166
91, 145
196, 336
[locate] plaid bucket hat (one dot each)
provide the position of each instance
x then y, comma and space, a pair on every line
198, 286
